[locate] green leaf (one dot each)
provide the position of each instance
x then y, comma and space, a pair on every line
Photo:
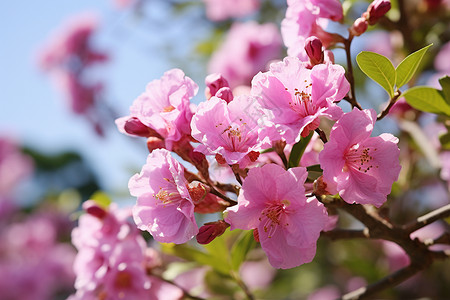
298, 149
445, 83
191, 254
314, 172
427, 99
241, 247
445, 141
102, 199
406, 69
379, 69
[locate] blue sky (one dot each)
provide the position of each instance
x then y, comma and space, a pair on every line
33, 111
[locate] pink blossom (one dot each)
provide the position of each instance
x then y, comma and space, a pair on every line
165, 106
14, 166
230, 130
219, 10
273, 202
361, 168
164, 207
246, 50
296, 97
304, 19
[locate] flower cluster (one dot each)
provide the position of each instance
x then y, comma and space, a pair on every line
68, 57
112, 261
272, 196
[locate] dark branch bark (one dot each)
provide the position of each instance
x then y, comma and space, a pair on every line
440, 213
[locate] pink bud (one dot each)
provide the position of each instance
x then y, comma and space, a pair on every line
376, 10
208, 232
225, 93
313, 47
92, 208
155, 143
214, 82
358, 27
135, 127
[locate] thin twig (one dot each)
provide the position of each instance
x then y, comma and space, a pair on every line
322, 135
389, 106
338, 234
351, 99
222, 196
440, 213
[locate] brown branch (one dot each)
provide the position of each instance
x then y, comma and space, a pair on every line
379, 228
222, 196
440, 213
351, 98
389, 106
338, 234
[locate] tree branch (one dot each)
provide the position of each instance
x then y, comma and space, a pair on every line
440, 213
391, 103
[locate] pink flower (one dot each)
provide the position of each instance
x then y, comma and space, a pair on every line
164, 207
246, 51
219, 10
164, 106
230, 130
304, 19
361, 168
272, 201
296, 97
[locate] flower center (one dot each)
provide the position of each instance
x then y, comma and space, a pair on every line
167, 195
301, 101
168, 108
359, 158
235, 136
271, 216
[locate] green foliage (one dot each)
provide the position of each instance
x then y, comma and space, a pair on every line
445, 141
406, 69
445, 84
241, 247
427, 99
217, 254
314, 172
102, 199
379, 69
298, 149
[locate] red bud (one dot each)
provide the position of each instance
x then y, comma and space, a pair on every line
208, 232
313, 47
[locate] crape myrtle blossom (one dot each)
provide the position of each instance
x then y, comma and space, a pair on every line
272, 201
360, 168
219, 10
163, 110
164, 207
305, 18
295, 96
251, 46
229, 130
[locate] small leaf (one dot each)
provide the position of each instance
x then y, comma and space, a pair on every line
314, 172
298, 149
406, 69
445, 141
102, 199
239, 251
379, 69
445, 84
427, 99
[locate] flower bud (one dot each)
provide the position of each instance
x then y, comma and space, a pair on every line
198, 191
214, 82
358, 27
155, 143
135, 127
320, 187
313, 47
208, 232
225, 93
92, 208
376, 10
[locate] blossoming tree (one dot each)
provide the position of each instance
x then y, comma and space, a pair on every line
283, 165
